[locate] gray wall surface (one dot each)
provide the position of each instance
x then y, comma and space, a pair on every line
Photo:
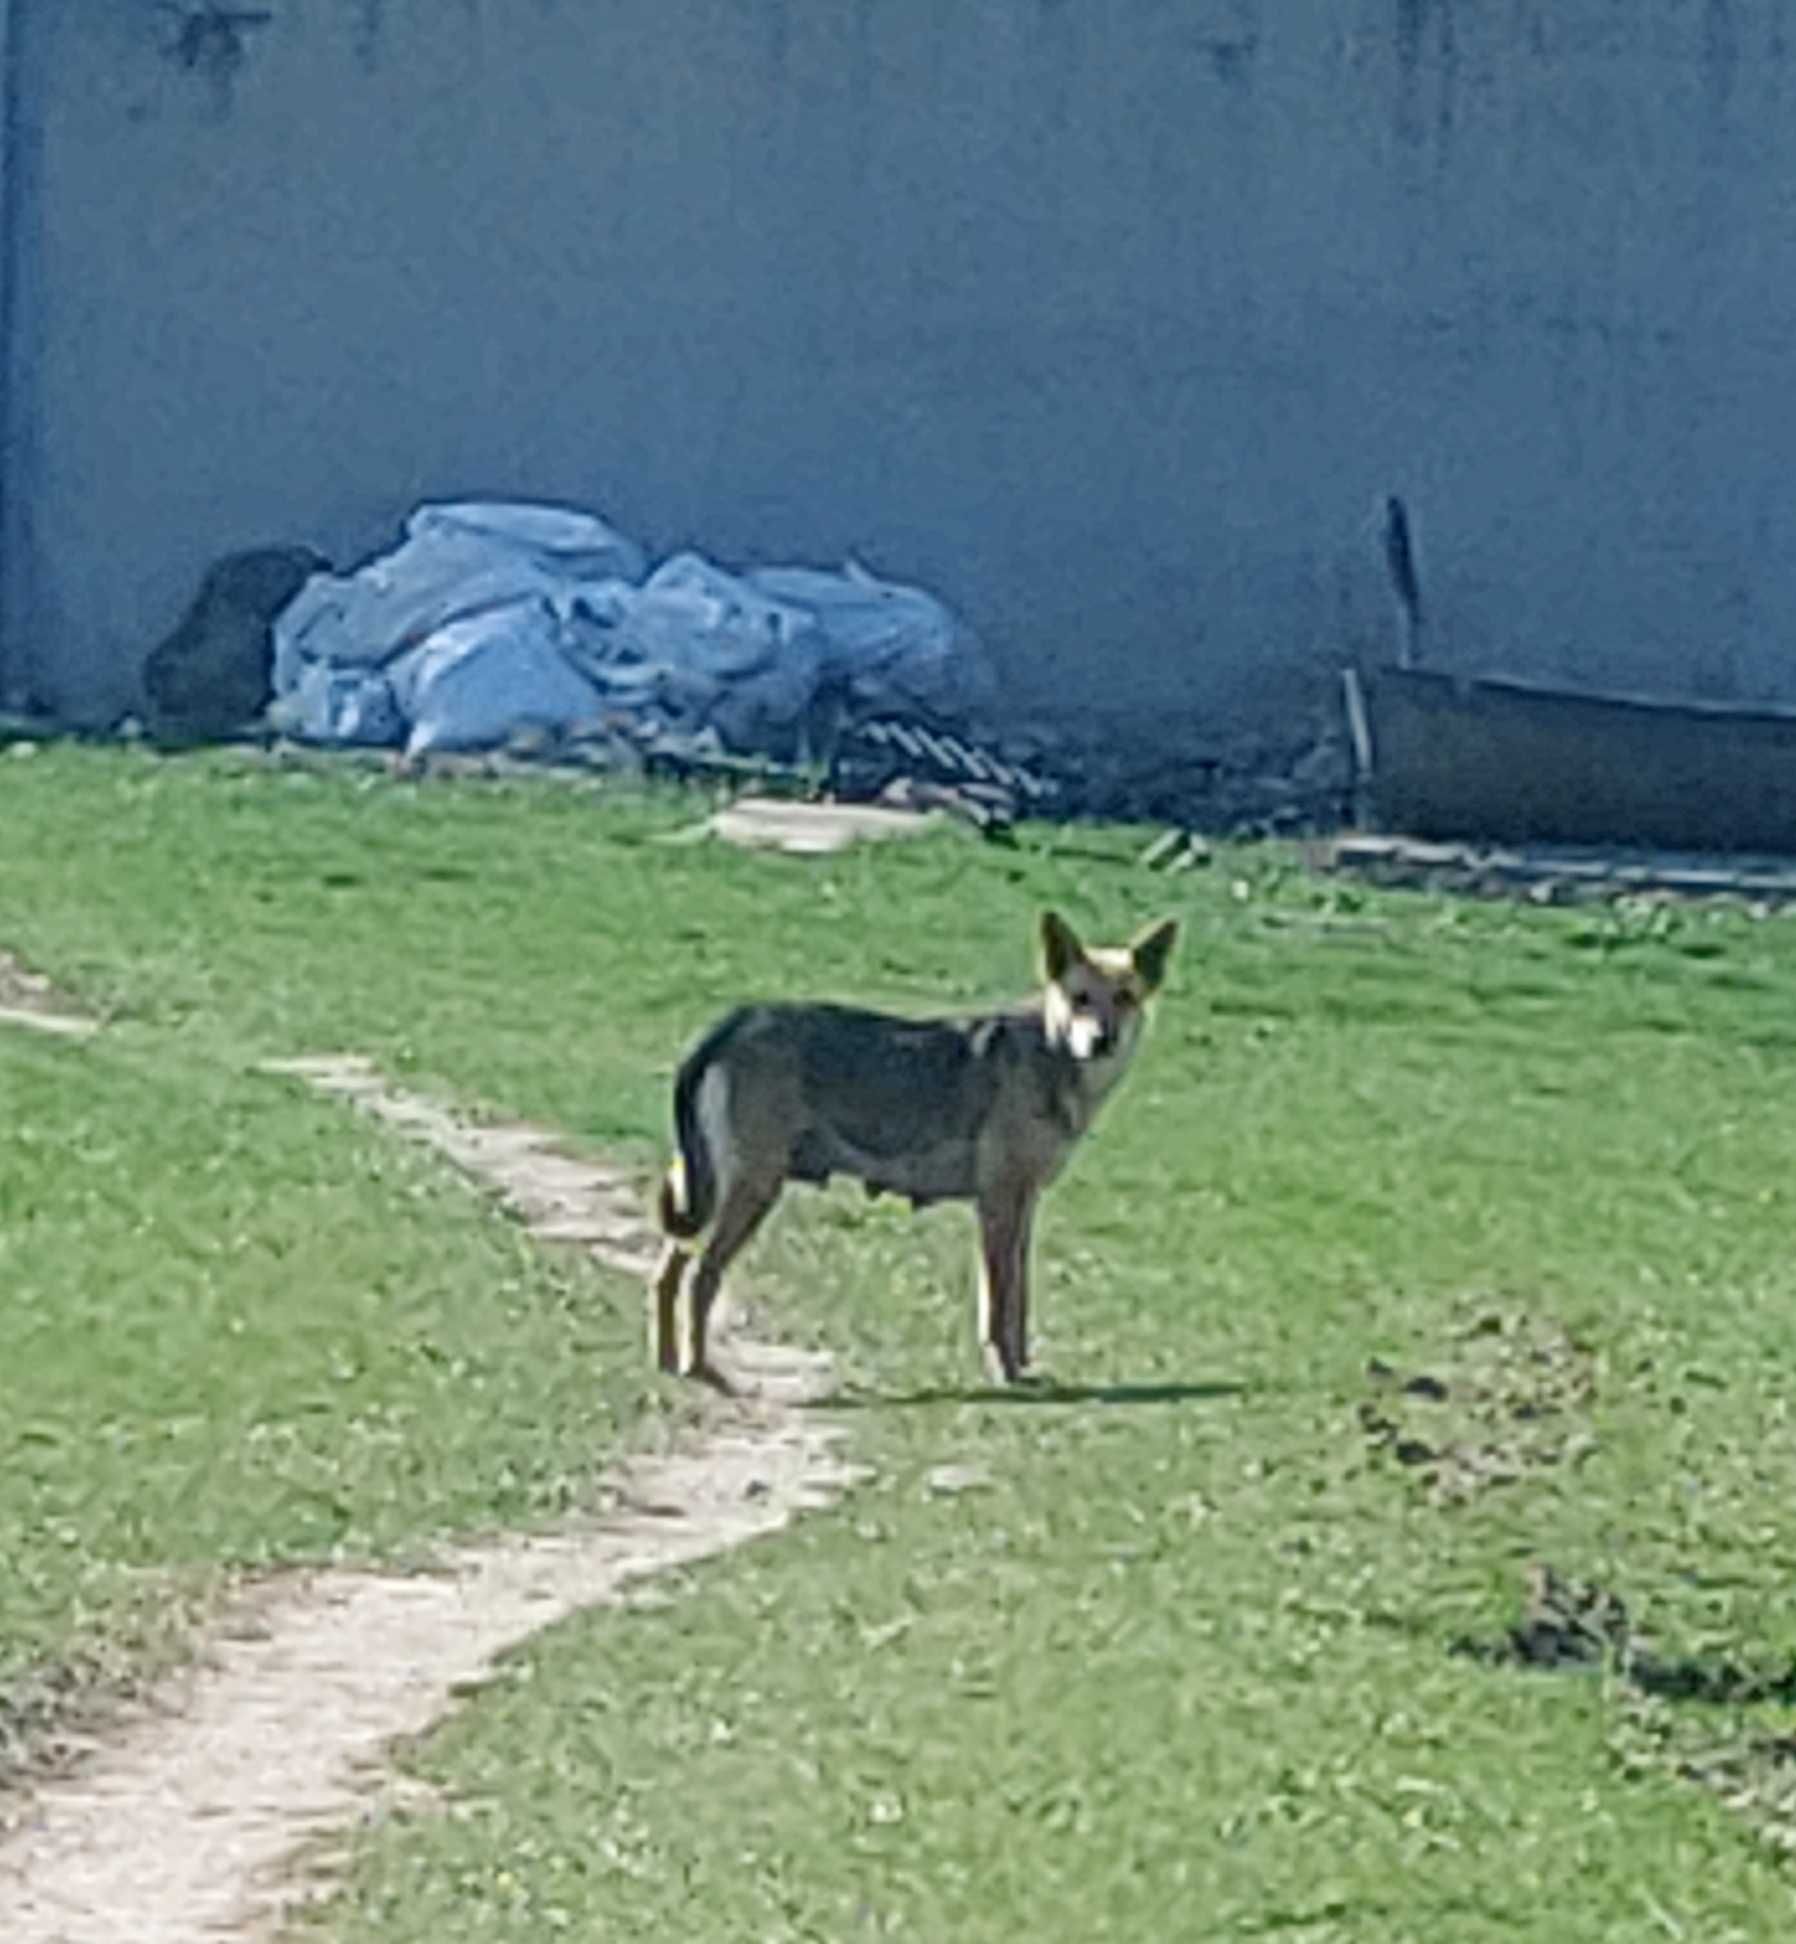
1110, 320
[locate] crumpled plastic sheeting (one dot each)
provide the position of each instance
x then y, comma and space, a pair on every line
491, 619
696, 645
453, 562
892, 648
477, 681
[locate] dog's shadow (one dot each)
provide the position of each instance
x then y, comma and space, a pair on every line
1040, 1391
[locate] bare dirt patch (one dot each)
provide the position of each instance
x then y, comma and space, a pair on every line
1734, 1741
1509, 1396
191, 1822
28, 999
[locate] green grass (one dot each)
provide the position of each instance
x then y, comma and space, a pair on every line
1184, 1666
241, 1328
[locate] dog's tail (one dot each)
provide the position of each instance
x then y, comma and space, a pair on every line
688, 1196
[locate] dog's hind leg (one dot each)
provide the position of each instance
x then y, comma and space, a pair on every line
664, 1306
745, 1206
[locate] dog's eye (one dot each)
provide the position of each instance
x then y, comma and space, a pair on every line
1124, 1000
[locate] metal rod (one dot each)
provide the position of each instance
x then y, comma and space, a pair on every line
1400, 558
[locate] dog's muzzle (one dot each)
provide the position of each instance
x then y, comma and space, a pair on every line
1089, 1039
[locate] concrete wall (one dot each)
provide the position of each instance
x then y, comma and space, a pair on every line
1109, 319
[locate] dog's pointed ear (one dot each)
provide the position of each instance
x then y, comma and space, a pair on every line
1060, 947
1152, 950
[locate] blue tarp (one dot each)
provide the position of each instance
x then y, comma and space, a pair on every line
491, 619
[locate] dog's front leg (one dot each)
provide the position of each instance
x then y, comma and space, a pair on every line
1003, 1227
1019, 1302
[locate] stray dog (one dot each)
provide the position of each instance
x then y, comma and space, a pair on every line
983, 1109
214, 675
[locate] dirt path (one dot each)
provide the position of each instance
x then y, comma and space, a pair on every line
28, 999
190, 1825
